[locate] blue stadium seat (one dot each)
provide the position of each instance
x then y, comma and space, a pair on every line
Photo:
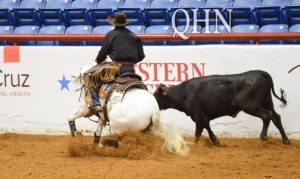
59, 4
294, 28
185, 42
273, 28
211, 29
245, 28
281, 3
293, 15
27, 29
51, 17
87, 4
111, 4
141, 4
36, 4
26, 16
157, 29
5, 17
133, 14
137, 29
156, 16
76, 16
241, 16
191, 4
212, 16
99, 16
52, 29
268, 15
296, 2
247, 3
77, 29
168, 4
9, 4
103, 29
6, 30
219, 3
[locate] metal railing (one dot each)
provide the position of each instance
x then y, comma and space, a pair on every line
14, 38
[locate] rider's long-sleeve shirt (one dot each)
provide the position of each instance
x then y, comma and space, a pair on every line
121, 44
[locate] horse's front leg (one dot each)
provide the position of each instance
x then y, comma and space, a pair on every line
98, 132
81, 112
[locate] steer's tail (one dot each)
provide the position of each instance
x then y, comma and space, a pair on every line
281, 98
174, 142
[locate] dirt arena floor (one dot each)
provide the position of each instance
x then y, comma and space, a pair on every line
140, 156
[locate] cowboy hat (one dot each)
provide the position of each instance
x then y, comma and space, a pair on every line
118, 20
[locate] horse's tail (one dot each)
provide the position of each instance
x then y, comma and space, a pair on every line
174, 142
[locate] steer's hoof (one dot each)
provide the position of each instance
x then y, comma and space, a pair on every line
286, 142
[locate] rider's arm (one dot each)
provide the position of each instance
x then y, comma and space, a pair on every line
141, 54
104, 50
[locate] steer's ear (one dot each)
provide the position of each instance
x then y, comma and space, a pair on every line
163, 89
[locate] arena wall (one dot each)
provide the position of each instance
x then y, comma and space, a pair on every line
37, 93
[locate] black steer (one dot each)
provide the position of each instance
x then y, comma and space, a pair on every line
209, 97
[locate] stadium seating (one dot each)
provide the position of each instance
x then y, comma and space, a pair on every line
241, 16
76, 16
51, 17
281, 3
77, 29
110, 4
296, 2
9, 4
245, 28
137, 29
273, 28
219, 3
87, 4
294, 28
141, 4
246, 3
5, 17
268, 15
36, 4
99, 16
26, 16
168, 4
191, 4
133, 14
156, 16
104, 29
53, 29
6, 30
293, 15
59, 4
157, 29
27, 29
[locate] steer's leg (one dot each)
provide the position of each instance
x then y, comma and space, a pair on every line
198, 132
277, 121
211, 135
265, 115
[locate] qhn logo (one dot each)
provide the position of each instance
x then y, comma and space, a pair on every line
218, 17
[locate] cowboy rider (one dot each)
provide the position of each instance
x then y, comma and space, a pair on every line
122, 46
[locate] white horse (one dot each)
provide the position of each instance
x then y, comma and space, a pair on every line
137, 111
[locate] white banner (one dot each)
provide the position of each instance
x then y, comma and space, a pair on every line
37, 95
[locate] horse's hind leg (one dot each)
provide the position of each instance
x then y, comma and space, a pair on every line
82, 111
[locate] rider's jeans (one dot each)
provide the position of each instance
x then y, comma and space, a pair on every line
95, 99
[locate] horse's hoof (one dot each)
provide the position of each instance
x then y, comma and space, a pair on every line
111, 143
72, 128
